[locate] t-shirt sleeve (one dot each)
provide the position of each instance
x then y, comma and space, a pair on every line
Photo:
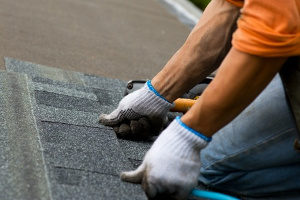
238, 3
269, 28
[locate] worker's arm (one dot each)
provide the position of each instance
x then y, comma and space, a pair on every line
241, 77
171, 166
201, 54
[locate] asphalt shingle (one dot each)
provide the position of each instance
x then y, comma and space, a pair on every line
51, 114
35, 70
102, 104
80, 147
64, 91
80, 184
135, 150
22, 171
83, 157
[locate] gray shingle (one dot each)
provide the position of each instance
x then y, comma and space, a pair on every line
83, 157
64, 91
103, 103
79, 147
51, 114
34, 70
68, 102
135, 150
118, 87
80, 184
77, 90
22, 170
85, 163
105, 83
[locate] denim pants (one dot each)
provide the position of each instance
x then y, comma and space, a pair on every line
254, 154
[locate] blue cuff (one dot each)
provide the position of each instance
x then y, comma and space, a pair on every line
207, 139
150, 86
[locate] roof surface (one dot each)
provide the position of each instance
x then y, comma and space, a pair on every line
53, 140
51, 144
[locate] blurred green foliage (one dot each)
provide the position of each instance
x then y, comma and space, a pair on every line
200, 3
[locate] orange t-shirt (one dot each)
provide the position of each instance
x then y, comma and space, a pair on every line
268, 28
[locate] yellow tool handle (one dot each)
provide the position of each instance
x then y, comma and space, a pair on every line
183, 105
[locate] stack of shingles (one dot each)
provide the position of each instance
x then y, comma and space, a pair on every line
51, 144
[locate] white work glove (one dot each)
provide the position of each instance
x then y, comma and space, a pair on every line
171, 167
138, 112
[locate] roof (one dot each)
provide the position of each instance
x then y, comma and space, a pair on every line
52, 146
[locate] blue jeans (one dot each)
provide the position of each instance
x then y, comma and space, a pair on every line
254, 154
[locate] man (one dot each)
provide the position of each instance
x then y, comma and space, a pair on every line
251, 154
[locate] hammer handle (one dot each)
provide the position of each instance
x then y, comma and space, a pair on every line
183, 105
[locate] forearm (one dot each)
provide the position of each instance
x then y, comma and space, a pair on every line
240, 79
202, 52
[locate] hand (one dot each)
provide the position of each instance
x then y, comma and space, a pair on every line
141, 129
171, 167
139, 114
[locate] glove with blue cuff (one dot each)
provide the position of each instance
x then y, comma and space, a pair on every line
171, 167
139, 114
